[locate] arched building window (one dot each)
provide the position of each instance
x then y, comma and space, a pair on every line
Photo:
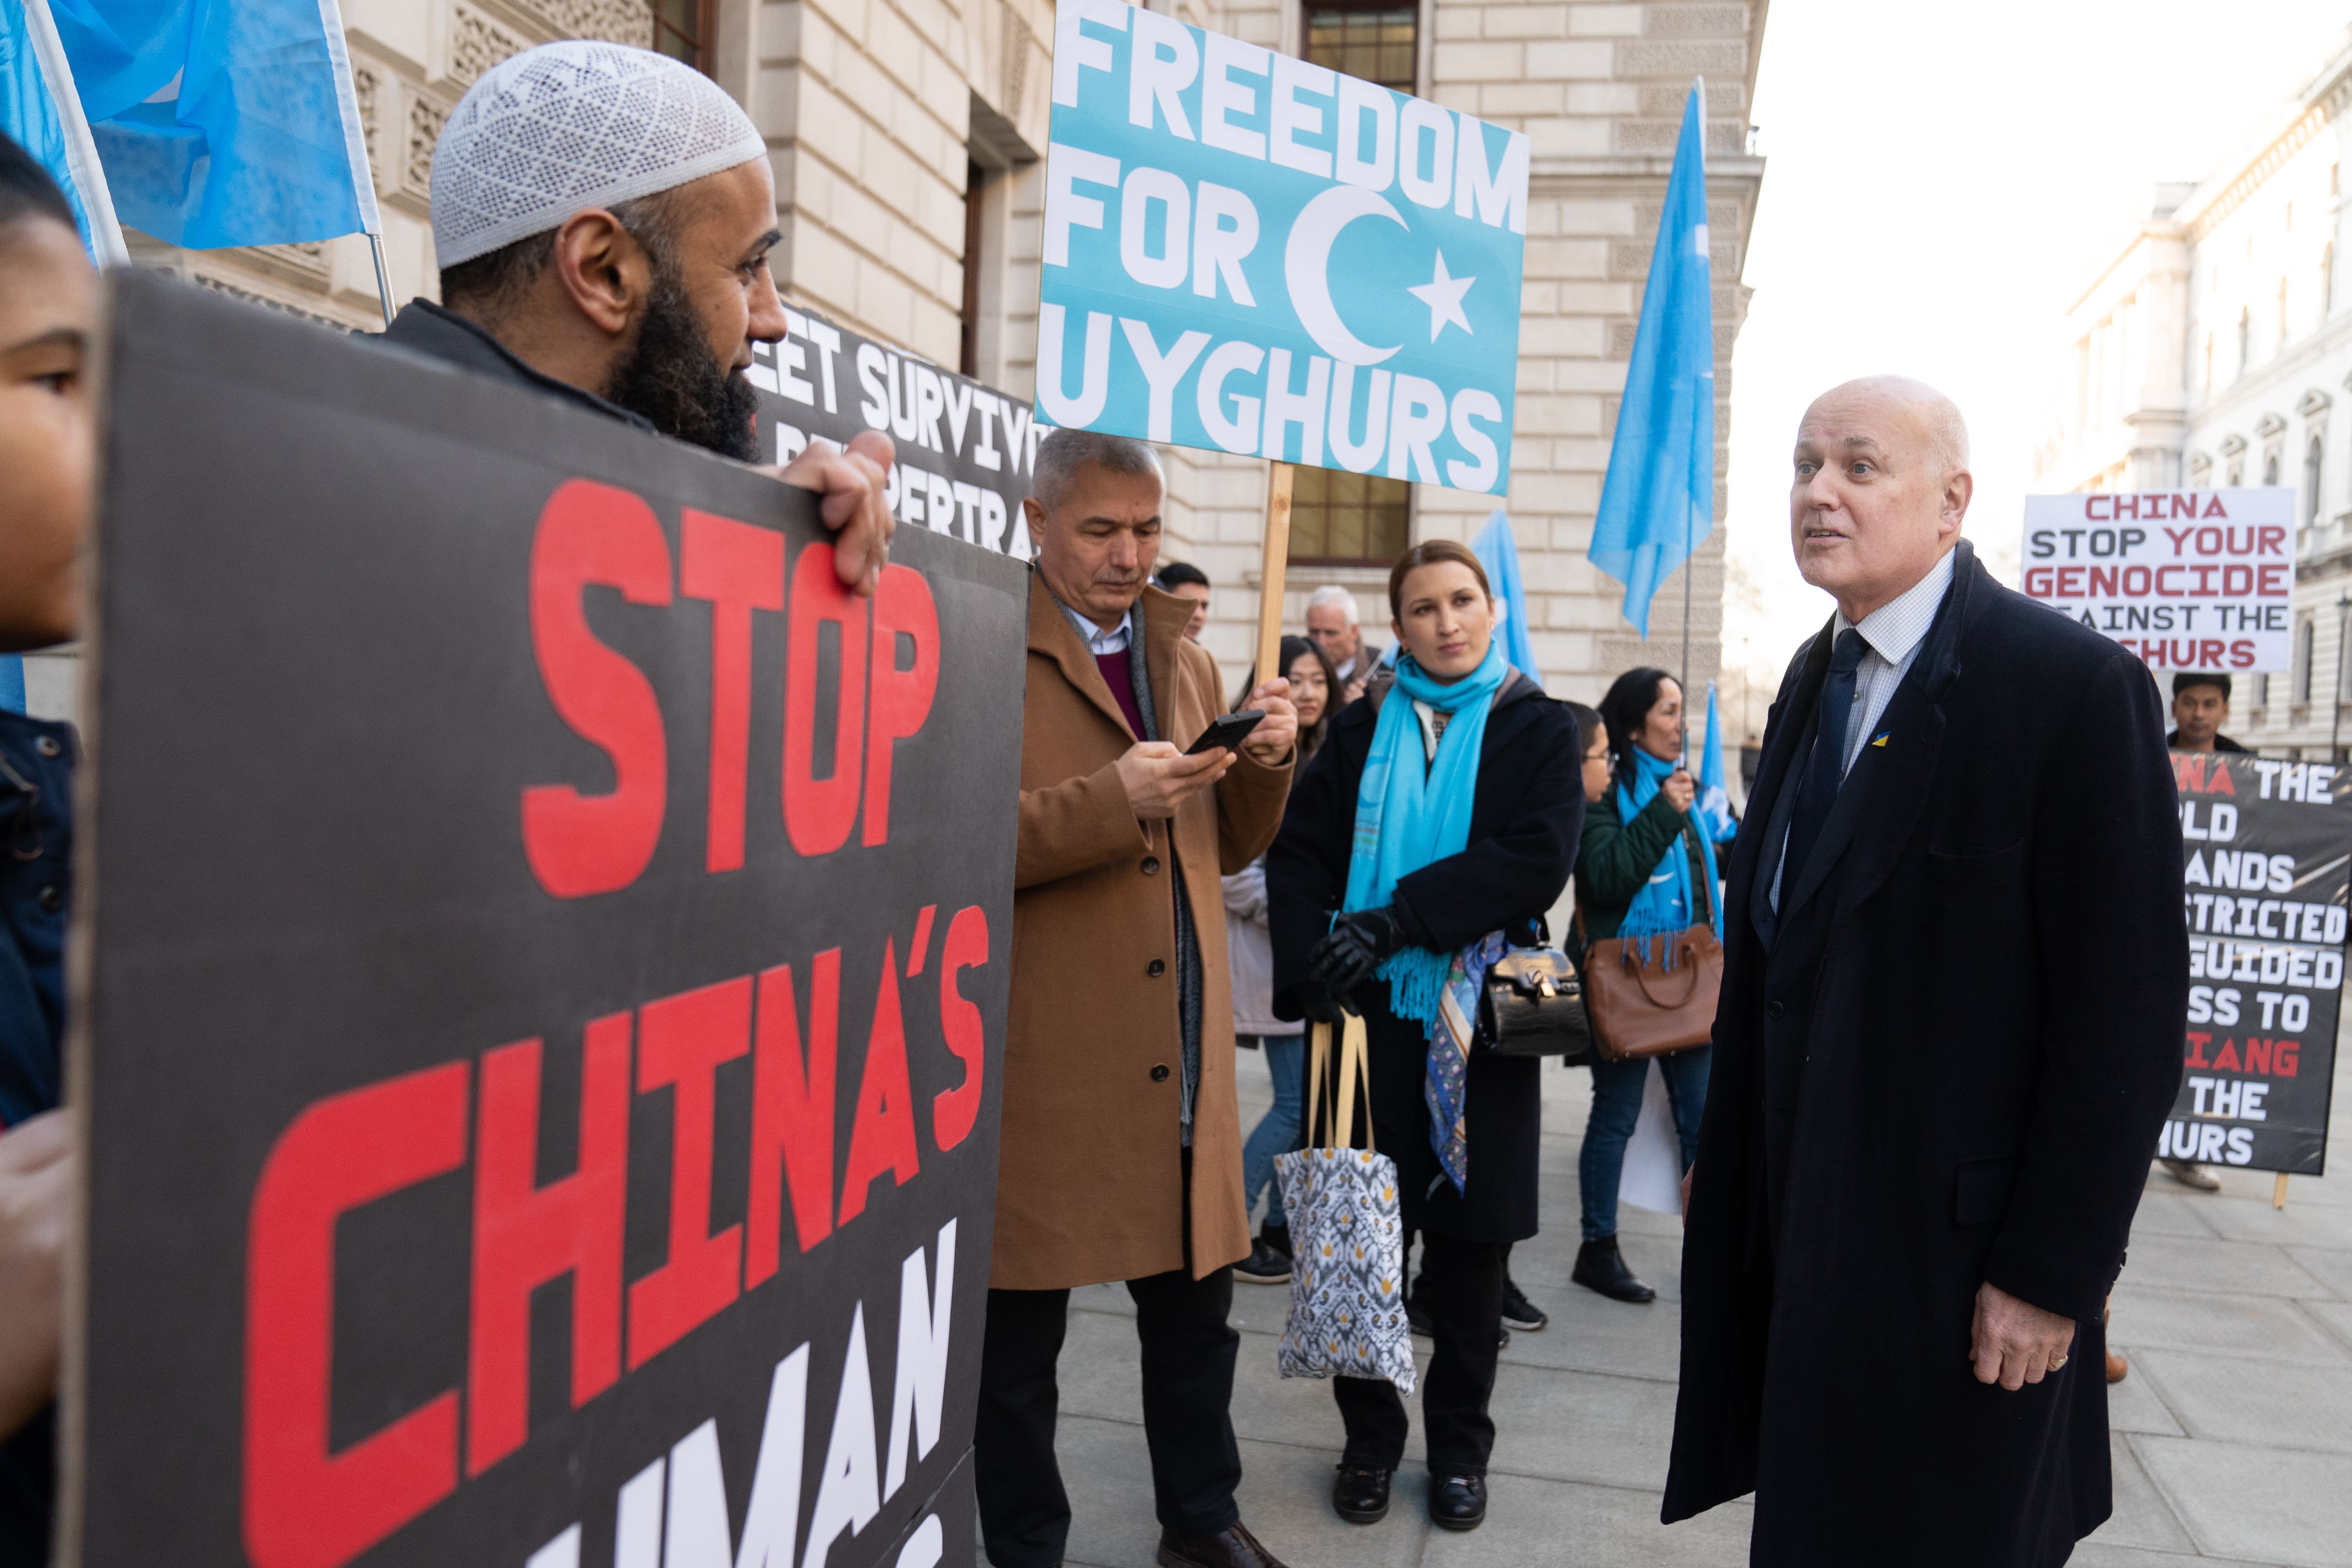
2302, 687
2311, 462
2327, 278
2269, 467
2245, 337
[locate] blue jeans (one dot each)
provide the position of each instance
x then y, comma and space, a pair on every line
1279, 1130
1616, 1106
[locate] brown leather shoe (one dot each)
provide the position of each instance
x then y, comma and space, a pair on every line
2117, 1368
1234, 1548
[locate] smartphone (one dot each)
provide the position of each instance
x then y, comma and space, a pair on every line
1227, 730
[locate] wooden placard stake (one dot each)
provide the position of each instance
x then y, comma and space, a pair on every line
2278, 1192
1278, 557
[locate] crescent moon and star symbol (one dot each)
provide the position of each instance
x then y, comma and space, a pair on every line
1306, 271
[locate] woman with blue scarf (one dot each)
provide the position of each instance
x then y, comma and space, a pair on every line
1645, 866
1438, 822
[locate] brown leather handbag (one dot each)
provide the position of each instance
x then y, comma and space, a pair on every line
1640, 1008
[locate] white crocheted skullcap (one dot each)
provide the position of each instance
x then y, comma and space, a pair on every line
572, 125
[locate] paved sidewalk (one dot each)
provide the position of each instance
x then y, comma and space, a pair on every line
2232, 1435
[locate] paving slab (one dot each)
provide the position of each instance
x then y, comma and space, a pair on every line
2259, 1504
2168, 1209
2220, 1323
2275, 1404
2141, 1518
2332, 1267
2204, 1263
2333, 1315
1537, 1523
1580, 1426
2136, 1405
2097, 1554
2297, 1225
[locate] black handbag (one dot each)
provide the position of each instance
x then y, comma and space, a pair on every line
1534, 1005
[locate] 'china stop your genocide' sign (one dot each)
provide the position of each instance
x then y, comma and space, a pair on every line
541, 1029
2186, 579
2269, 856
1251, 253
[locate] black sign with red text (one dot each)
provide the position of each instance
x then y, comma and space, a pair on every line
965, 450
541, 985
2269, 858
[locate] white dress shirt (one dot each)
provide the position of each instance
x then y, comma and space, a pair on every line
1892, 635
1099, 641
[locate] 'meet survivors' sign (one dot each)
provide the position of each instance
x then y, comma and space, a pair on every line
2269, 844
544, 999
964, 451
2186, 579
1251, 253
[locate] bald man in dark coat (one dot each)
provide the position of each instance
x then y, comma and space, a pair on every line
1953, 998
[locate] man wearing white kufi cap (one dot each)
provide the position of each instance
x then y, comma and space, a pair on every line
602, 217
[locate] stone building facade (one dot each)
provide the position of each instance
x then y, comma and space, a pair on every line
2211, 352
908, 140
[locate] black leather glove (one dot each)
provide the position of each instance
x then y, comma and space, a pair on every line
1317, 1005
1358, 942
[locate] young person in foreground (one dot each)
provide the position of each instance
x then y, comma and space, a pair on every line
48, 304
1438, 822
1954, 987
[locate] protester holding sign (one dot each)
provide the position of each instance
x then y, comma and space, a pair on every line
47, 308
1950, 1032
1436, 825
626, 271
2201, 706
1121, 1153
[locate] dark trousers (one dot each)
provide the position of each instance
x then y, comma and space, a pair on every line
1188, 1385
1461, 1287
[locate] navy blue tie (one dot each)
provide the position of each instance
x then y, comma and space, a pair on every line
1825, 769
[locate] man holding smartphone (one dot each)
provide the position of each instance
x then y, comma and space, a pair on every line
1120, 1157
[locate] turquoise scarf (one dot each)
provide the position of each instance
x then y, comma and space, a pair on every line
1665, 905
1409, 815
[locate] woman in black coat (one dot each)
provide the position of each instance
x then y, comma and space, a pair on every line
1525, 810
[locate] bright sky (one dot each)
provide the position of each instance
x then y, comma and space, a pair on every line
1941, 182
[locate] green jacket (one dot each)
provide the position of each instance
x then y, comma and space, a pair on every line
1616, 859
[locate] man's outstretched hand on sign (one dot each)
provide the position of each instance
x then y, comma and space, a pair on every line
855, 487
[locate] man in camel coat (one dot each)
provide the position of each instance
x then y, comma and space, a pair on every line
1122, 1149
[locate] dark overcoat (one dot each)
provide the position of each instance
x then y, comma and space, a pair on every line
1944, 1061
1525, 820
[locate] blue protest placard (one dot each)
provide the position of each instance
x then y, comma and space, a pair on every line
1250, 253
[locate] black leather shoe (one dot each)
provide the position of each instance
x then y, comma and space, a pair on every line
1264, 1266
1234, 1548
1601, 1267
1518, 1312
1360, 1494
1457, 1502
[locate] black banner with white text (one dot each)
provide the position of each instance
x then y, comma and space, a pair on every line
2268, 850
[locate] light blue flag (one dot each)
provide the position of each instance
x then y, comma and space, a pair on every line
1714, 802
1498, 553
1247, 252
223, 122
28, 107
1658, 500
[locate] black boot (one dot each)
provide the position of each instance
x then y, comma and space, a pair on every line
1601, 1267
1457, 1502
1360, 1494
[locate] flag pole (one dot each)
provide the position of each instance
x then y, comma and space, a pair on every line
81, 149
1272, 570
1690, 541
355, 153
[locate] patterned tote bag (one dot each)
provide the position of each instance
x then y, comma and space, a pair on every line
1347, 1282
